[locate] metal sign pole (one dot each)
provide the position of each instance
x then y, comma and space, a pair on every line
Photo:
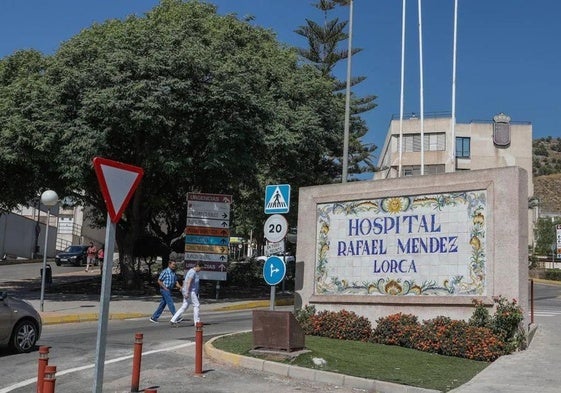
104, 305
44, 270
284, 260
272, 305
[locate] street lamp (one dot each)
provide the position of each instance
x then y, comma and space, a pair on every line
49, 198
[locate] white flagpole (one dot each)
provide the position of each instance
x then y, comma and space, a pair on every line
453, 119
348, 98
402, 87
422, 109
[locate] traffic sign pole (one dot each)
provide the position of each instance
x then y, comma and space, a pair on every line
272, 304
274, 271
107, 276
118, 182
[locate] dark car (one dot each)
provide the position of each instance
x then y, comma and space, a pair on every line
20, 324
74, 255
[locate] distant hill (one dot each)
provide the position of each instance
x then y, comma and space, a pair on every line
547, 173
546, 156
547, 189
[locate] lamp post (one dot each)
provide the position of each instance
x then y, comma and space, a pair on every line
49, 198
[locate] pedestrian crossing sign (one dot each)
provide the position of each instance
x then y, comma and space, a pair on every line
277, 199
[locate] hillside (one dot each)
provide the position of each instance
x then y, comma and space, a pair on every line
548, 190
547, 173
547, 156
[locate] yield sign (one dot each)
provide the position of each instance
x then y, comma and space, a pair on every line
118, 182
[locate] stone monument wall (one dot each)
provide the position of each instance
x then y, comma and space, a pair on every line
424, 245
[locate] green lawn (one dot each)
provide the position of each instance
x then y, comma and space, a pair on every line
381, 362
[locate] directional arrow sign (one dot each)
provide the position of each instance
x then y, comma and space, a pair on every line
118, 181
211, 240
207, 223
214, 210
274, 270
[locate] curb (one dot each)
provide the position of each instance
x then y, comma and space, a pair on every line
87, 317
255, 304
59, 318
308, 374
546, 282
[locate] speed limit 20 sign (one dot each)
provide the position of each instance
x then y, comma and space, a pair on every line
275, 228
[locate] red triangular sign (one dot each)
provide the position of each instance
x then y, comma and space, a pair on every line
118, 181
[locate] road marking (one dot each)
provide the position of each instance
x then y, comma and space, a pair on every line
553, 312
75, 369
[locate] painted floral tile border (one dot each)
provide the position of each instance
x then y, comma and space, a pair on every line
331, 279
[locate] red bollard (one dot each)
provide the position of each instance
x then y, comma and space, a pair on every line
198, 348
150, 390
49, 380
136, 360
43, 361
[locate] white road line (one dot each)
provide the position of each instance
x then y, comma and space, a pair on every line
73, 370
547, 312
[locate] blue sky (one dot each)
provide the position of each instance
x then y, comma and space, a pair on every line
508, 55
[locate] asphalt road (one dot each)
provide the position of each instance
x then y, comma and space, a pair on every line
28, 271
74, 348
168, 360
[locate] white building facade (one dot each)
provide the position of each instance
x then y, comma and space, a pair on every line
479, 144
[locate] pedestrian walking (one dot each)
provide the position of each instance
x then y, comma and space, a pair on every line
190, 292
100, 256
91, 256
167, 280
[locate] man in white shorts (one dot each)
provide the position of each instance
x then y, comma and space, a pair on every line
190, 292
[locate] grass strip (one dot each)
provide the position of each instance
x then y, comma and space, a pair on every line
381, 362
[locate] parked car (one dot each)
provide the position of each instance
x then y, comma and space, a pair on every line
74, 255
20, 324
287, 258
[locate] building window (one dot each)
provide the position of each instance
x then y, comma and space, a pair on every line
462, 147
415, 170
432, 142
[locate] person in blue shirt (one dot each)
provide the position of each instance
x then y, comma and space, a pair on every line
166, 281
190, 292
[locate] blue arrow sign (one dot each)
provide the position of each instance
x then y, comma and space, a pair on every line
274, 270
213, 240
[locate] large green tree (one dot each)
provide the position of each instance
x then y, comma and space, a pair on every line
27, 144
202, 102
325, 50
546, 235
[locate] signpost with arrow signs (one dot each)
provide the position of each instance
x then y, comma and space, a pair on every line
207, 236
118, 182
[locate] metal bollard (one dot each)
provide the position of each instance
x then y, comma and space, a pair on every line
49, 380
136, 360
198, 348
43, 361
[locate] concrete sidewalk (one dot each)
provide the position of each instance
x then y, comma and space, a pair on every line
534, 369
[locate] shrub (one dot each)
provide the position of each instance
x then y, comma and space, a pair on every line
244, 274
484, 337
553, 274
304, 318
507, 318
449, 337
481, 316
343, 325
396, 329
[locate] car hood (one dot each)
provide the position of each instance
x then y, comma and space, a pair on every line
23, 306
20, 303
68, 254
